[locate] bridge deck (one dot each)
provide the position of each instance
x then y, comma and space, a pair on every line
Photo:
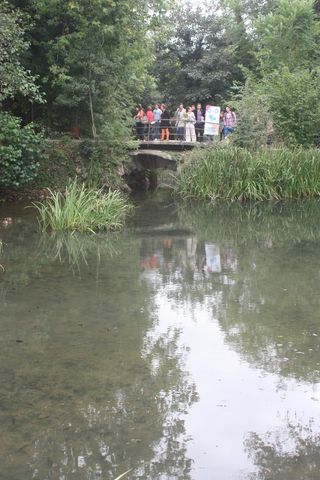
169, 145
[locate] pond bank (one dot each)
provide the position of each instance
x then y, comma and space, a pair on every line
91, 163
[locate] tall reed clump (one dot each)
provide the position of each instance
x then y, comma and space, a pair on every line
83, 209
238, 174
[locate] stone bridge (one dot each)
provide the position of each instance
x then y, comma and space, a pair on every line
153, 155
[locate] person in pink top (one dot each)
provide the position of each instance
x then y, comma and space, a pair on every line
230, 121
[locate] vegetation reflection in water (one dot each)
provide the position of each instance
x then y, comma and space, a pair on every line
88, 400
90, 386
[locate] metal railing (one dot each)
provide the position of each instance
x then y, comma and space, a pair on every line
152, 131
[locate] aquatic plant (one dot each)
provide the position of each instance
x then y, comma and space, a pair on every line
233, 173
78, 249
83, 209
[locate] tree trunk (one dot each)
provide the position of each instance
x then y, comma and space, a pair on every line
93, 125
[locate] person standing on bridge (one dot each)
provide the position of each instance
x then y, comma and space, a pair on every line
165, 123
141, 120
180, 121
150, 117
157, 118
190, 121
230, 121
199, 126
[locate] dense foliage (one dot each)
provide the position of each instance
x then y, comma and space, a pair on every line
263, 57
14, 77
78, 67
20, 151
91, 58
286, 82
238, 174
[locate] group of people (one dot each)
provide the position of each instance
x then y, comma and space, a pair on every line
154, 123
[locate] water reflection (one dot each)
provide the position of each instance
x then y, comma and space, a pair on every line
291, 451
253, 281
162, 348
80, 392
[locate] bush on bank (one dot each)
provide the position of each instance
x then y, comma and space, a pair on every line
21, 149
239, 174
83, 209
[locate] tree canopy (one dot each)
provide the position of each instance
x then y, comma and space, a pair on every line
92, 60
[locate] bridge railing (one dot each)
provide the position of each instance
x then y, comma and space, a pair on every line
152, 131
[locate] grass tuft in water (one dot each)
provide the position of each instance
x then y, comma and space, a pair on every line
83, 209
239, 174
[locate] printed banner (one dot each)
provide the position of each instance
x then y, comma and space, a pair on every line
211, 126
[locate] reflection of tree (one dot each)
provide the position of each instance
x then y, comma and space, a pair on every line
269, 307
79, 391
290, 453
256, 223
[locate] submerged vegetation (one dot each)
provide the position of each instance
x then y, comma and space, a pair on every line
239, 174
83, 209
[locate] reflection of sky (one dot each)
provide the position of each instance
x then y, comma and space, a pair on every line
234, 398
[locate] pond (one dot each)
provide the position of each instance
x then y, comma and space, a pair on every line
185, 347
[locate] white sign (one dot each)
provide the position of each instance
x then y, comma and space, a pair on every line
213, 260
212, 119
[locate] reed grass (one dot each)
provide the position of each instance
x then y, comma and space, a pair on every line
82, 209
238, 174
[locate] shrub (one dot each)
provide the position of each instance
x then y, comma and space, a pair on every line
240, 174
20, 151
253, 113
294, 101
83, 209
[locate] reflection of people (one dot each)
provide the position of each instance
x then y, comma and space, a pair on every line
230, 121
230, 260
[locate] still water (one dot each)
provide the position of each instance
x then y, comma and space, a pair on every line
186, 347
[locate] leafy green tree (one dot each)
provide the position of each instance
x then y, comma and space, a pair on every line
194, 60
14, 77
287, 83
294, 100
202, 51
90, 54
289, 36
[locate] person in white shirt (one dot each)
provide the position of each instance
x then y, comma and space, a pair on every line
190, 121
